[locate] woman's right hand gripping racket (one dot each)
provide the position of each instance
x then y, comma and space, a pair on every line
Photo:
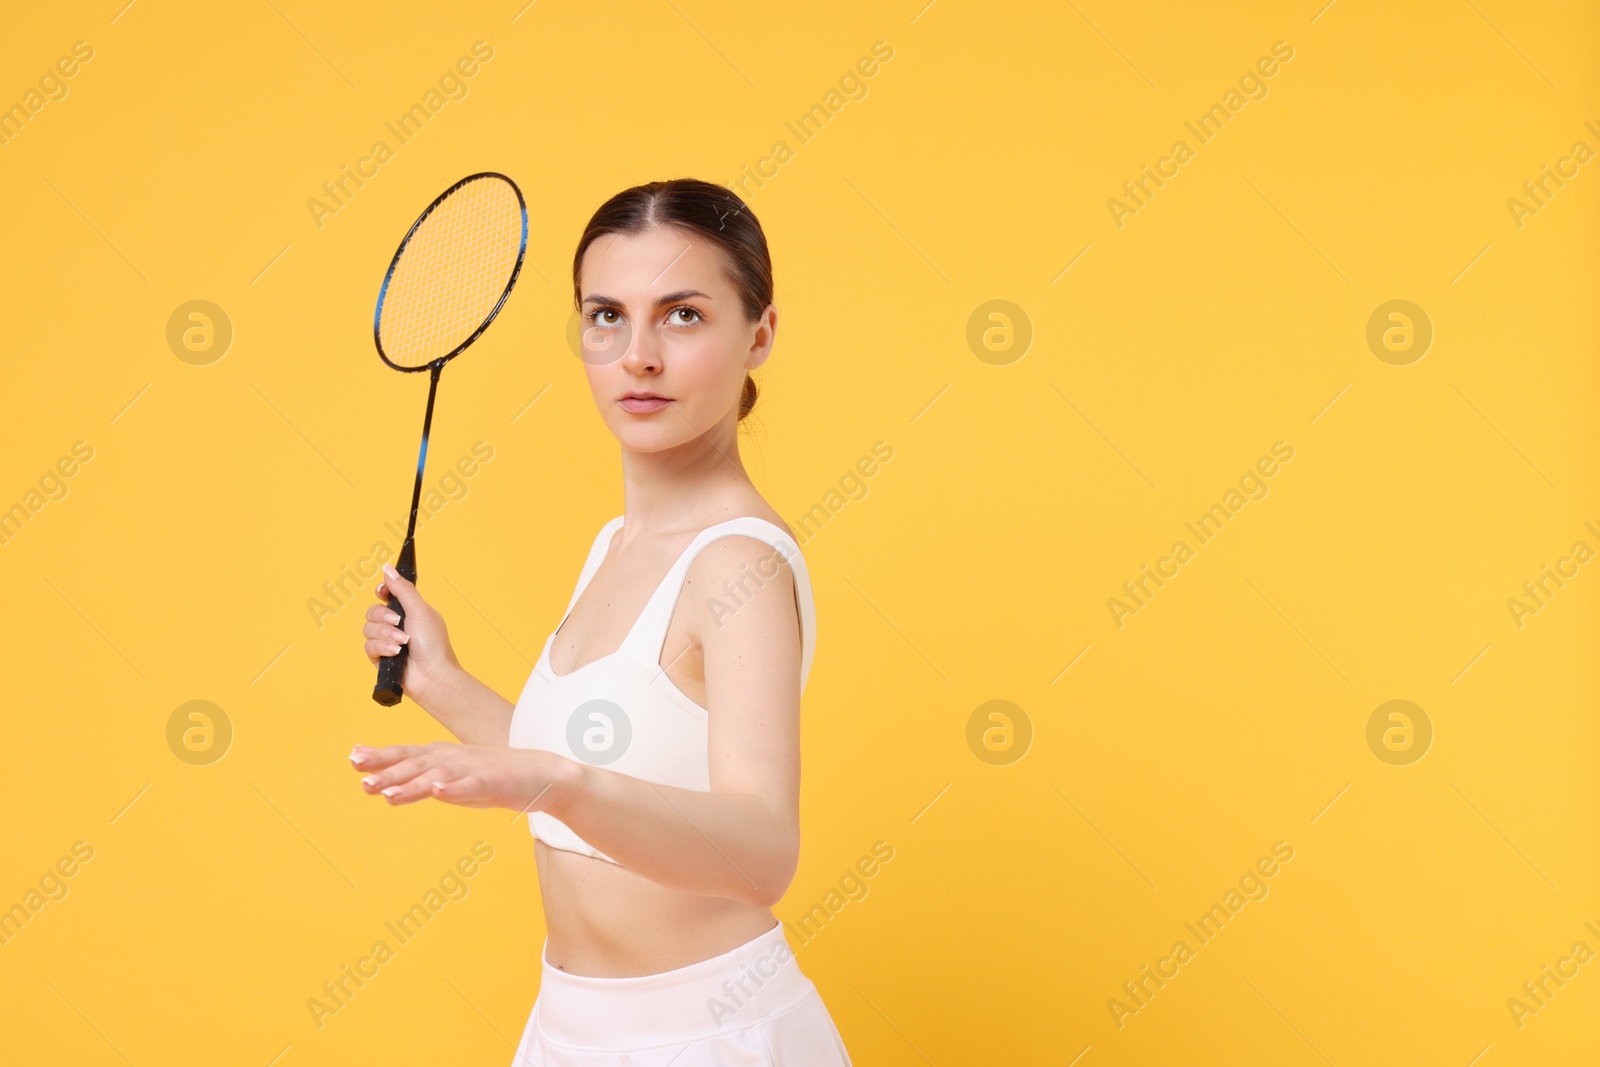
448, 280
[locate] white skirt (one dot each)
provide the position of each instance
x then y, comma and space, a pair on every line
751, 1005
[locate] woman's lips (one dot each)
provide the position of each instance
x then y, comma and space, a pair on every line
643, 406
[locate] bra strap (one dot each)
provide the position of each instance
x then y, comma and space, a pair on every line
649, 633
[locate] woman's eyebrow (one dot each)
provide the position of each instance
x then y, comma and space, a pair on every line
681, 294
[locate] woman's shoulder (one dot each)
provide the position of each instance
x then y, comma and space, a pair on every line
734, 532
746, 556
776, 521
756, 508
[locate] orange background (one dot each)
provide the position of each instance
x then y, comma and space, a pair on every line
1042, 456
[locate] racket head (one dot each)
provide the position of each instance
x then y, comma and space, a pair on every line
452, 272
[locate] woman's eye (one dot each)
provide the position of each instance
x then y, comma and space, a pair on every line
686, 309
595, 316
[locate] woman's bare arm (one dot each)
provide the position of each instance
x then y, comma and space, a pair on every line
722, 844
741, 839
469, 709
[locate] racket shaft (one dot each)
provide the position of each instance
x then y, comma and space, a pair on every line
391, 669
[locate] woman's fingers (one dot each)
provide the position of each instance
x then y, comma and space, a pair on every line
368, 759
470, 790
422, 634
404, 774
397, 774
382, 631
380, 613
417, 778
410, 776
407, 593
407, 792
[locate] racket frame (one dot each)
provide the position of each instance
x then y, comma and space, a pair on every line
516, 269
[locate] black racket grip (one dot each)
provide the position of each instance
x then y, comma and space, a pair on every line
392, 668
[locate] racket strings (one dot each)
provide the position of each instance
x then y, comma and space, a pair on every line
452, 272
455, 278
469, 234
412, 307
482, 267
458, 275
447, 250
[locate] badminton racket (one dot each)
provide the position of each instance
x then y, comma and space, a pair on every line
448, 280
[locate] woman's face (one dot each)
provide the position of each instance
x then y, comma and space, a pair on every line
678, 330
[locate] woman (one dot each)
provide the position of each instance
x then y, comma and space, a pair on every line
655, 746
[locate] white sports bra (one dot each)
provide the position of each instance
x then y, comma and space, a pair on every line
623, 711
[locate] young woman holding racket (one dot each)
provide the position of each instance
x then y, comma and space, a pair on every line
655, 745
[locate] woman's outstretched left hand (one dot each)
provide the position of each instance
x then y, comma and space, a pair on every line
476, 776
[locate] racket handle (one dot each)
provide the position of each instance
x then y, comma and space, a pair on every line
392, 668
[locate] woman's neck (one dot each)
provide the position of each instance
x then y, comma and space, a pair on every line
683, 488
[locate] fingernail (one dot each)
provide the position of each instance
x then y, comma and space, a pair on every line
390, 571
391, 791
403, 638
438, 785
357, 758
370, 779
394, 620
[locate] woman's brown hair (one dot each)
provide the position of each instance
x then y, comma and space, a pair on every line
713, 212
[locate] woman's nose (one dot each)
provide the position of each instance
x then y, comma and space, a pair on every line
641, 350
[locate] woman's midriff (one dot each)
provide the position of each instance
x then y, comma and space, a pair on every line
604, 921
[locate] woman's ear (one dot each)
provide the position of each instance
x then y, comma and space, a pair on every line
764, 332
